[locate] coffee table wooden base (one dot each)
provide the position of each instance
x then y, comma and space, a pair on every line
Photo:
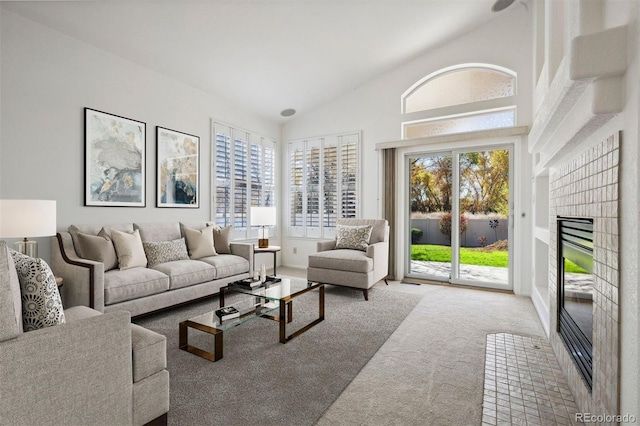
217, 337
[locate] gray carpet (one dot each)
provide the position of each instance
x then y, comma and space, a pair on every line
431, 370
261, 381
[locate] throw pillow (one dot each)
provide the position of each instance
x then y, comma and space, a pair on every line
165, 251
129, 249
353, 237
41, 302
222, 239
200, 242
98, 248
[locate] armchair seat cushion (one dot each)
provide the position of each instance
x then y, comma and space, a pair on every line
134, 283
149, 352
183, 273
342, 260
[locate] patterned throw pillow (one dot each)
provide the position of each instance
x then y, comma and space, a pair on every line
165, 251
353, 237
41, 302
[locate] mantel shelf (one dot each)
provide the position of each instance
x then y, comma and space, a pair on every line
586, 92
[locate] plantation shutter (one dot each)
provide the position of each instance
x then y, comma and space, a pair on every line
296, 181
269, 174
240, 190
330, 186
313, 188
349, 175
222, 180
324, 184
256, 171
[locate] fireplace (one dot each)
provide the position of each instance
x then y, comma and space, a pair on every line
575, 291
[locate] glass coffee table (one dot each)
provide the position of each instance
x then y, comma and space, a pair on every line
260, 302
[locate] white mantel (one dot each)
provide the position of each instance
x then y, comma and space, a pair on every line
587, 91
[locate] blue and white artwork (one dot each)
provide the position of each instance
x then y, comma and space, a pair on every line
178, 168
114, 160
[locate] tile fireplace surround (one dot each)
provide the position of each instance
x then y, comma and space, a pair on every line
588, 187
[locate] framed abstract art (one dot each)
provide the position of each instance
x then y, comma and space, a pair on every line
177, 169
114, 160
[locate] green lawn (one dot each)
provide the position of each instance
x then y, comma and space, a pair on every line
471, 256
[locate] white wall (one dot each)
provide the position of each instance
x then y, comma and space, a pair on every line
49, 78
374, 108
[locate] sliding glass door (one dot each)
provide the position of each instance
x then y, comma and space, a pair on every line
460, 214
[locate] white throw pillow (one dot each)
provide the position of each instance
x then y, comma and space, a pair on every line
41, 302
353, 237
200, 243
129, 249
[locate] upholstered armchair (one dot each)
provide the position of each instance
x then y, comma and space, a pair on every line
355, 262
80, 367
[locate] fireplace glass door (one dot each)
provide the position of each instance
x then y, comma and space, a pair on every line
575, 290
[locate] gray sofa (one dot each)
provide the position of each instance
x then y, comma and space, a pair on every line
142, 290
92, 369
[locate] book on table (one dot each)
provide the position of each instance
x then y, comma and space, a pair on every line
227, 313
249, 283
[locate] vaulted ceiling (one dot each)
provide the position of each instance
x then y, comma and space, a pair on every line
265, 55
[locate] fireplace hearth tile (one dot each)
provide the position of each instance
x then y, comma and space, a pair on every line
531, 388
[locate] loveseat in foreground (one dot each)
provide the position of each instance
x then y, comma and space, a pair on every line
141, 290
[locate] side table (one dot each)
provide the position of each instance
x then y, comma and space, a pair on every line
270, 249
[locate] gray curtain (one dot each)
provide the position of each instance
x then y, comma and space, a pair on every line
389, 177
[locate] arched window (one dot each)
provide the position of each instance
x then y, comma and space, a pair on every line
476, 84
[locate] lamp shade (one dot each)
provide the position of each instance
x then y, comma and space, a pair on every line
263, 216
27, 218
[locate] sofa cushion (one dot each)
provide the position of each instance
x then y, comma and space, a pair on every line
98, 248
134, 283
129, 249
41, 302
162, 231
79, 313
149, 352
222, 239
183, 273
165, 251
353, 237
227, 265
342, 260
200, 242
94, 230
10, 299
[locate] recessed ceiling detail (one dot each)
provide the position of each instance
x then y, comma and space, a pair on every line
500, 5
287, 112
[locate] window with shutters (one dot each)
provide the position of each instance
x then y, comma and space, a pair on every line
244, 175
324, 183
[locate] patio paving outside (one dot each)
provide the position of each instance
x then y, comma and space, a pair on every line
468, 272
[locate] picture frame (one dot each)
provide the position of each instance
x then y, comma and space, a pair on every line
115, 156
177, 169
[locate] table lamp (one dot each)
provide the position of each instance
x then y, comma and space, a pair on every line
263, 216
27, 218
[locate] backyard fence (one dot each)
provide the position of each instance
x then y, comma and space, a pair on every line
480, 232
